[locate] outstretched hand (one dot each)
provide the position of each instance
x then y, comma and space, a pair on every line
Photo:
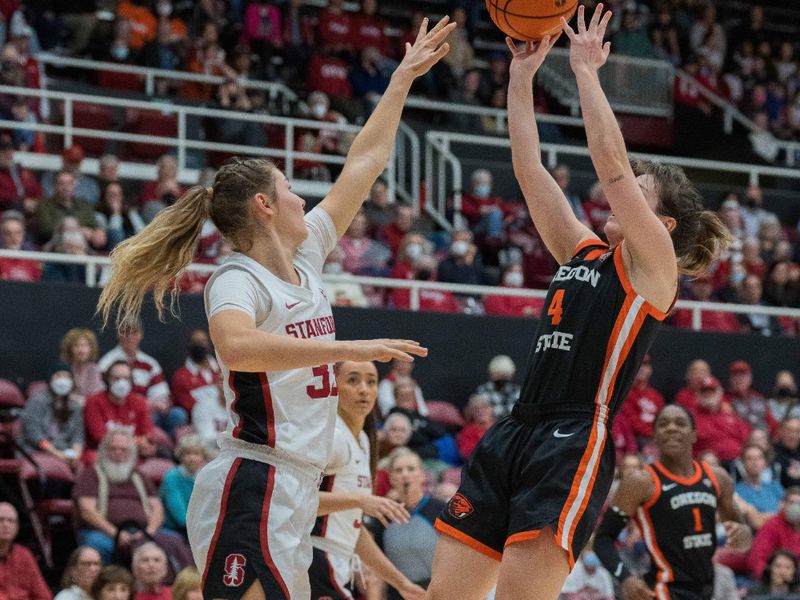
587, 50
526, 61
427, 49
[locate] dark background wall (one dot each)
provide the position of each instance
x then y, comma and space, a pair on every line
35, 316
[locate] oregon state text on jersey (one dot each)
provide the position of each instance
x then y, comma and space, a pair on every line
678, 524
592, 338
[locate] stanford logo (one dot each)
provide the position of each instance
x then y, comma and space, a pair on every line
459, 507
234, 570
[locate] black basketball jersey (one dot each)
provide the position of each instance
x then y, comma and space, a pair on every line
678, 525
591, 339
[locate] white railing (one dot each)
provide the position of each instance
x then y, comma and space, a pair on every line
405, 160
94, 264
275, 90
444, 176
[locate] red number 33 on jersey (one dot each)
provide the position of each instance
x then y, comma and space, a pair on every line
327, 383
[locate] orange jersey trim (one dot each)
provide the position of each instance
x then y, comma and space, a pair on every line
698, 473
710, 472
626, 284
462, 537
657, 490
587, 243
523, 536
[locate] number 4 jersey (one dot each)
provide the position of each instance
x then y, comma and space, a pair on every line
293, 410
591, 340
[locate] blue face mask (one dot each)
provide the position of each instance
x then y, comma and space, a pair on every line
483, 191
736, 278
590, 560
119, 52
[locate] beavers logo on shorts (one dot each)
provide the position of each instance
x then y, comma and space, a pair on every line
459, 507
234, 570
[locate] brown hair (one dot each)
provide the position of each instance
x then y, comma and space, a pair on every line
188, 580
699, 235
153, 258
72, 337
69, 569
109, 576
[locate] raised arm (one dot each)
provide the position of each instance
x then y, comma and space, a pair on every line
646, 238
373, 145
549, 208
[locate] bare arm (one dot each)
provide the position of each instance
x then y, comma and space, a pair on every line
369, 552
383, 509
87, 507
156, 517
244, 348
646, 237
740, 537
561, 231
373, 145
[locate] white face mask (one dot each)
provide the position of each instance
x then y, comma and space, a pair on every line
459, 248
514, 279
121, 388
333, 268
318, 110
414, 251
164, 9
61, 386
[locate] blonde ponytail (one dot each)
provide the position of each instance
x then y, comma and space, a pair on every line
153, 258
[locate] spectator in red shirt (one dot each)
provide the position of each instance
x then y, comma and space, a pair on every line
149, 567
393, 233
513, 306
118, 404
12, 237
596, 207
329, 74
719, 428
642, 403
20, 578
749, 404
480, 417
19, 187
262, 29
165, 188
696, 372
702, 290
624, 440
779, 532
336, 29
429, 300
482, 210
413, 247
199, 371
370, 28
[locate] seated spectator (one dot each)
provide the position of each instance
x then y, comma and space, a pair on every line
400, 372
425, 432
20, 578
163, 52
26, 140
52, 420
779, 288
263, 29
642, 403
513, 306
176, 488
413, 247
12, 237
79, 350
396, 433
52, 211
363, 256
232, 95
86, 187
496, 76
702, 290
199, 371
329, 74
752, 259
409, 546
115, 503
623, 438
464, 263
787, 452
771, 472
482, 210
19, 187
323, 140
780, 577
66, 242
143, 21
785, 399
344, 291
370, 77
781, 532
149, 566
480, 416
760, 500
753, 213
165, 188
562, 176
707, 38
466, 92
113, 583
116, 216
749, 404
588, 580
697, 372
430, 300
596, 208
208, 58
756, 322
370, 29
632, 39
298, 37
147, 377
719, 428
119, 405
379, 206
392, 234
501, 391
187, 585
336, 29
80, 573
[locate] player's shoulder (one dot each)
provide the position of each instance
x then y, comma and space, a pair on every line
639, 486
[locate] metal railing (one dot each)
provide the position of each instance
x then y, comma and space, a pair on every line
444, 176
94, 264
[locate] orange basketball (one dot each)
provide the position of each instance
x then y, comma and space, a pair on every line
530, 19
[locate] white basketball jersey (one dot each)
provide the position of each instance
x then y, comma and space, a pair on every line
292, 410
353, 475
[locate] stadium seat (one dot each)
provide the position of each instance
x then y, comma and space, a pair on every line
126, 82
444, 413
152, 123
92, 116
155, 469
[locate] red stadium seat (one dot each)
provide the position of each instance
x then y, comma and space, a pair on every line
444, 413
155, 469
10, 395
126, 82
92, 116
152, 123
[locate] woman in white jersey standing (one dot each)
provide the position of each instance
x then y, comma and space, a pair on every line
253, 507
346, 496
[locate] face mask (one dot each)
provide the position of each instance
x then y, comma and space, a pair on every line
590, 560
121, 388
61, 386
785, 392
333, 268
459, 248
414, 251
119, 52
197, 352
424, 274
318, 110
164, 9
792, 513
514, 279
737, 278
751, 202
483, 190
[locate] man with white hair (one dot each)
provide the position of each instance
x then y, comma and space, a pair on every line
149, 571
500, 390
20, 578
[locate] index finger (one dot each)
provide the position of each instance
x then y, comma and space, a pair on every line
423, 29
511, 46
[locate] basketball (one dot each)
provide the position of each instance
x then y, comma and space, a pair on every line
526, 20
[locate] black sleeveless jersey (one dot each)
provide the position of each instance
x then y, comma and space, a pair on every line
678, 525
591, 339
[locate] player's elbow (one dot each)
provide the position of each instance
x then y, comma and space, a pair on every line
232, 351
